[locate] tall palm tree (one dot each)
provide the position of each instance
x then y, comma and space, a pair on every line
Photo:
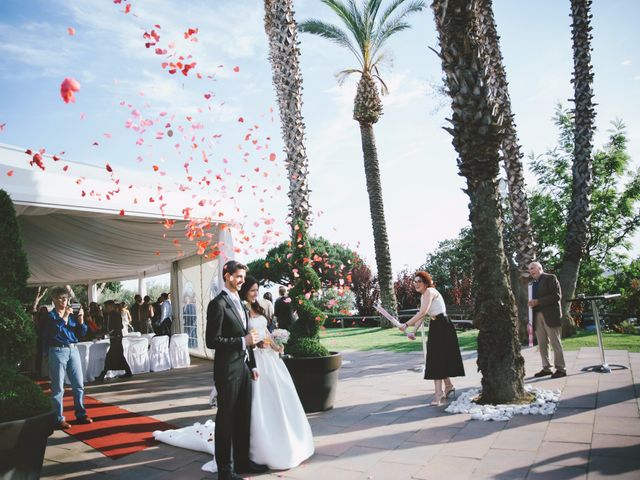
584, 118
284, 56
364, 33
525, 251
477, 129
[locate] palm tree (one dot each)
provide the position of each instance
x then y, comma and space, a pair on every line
284, 56
525, 251
477, 130
366, 32
584, 118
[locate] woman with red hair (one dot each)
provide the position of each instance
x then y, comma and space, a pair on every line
443, 352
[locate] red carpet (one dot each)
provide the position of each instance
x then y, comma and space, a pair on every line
115, 432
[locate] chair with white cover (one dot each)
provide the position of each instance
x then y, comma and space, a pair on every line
159, 359
97, 355
133, 334
179, 350
148, 336
138, 355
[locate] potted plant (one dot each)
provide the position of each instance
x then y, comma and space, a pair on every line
26, 415
313, 368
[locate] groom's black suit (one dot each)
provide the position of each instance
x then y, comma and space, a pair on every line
232, 378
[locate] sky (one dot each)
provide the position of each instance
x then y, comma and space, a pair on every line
223, 128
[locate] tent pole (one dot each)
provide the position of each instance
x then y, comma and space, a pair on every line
142, 285
92, 292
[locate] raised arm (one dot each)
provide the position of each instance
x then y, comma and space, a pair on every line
418, 317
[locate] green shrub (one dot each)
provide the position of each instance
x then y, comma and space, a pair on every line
625, 327
20, 397
305, 332
17, 332
15, 269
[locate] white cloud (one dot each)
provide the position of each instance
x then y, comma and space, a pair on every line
627, 63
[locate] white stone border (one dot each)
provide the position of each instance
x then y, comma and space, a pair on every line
545, 403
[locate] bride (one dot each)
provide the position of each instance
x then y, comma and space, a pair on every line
280, 433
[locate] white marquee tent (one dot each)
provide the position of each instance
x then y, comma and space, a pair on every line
71, 238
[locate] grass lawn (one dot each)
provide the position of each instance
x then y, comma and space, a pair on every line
370, 338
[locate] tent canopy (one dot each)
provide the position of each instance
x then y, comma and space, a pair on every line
72, 228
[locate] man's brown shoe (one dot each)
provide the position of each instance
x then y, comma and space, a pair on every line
543, 373
63, 426
559, 374
84, 420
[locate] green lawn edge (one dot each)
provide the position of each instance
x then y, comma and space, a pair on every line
373, 338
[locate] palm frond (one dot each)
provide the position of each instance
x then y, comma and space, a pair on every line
411, 7
388, 26
388, 30
384, 90
372, 8
330, 32
345, 14
342, 75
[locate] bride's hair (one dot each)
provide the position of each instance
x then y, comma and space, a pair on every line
249, 282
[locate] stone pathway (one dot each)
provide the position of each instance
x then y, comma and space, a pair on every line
382, 428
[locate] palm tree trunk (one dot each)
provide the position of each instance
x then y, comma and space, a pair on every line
284, 56
584, 114
476, 132
376, 208
525, 251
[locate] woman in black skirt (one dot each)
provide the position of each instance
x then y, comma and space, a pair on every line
443, 351
115, 359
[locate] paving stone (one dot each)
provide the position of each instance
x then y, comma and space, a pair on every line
574, 415
444, 467
517, 439
563, 453
616, 445
513, 463
556, 472
469, 446
569, 432
603, 467
617, 425
624, 409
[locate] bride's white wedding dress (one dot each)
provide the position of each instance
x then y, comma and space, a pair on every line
281, 437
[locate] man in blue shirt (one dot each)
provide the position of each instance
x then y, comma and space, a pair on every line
61, 334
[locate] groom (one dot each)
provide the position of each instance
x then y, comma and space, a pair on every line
234, 368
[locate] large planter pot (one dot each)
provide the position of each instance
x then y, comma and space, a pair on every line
22, 446
316, 380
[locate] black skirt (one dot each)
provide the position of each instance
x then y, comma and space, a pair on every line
115, 356
443, 352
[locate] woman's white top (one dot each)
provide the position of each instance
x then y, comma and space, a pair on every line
437, 302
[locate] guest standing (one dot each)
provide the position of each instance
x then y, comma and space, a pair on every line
547, 314
115, 359
135, 311
282, 309
61, 334
443, 352
146, 315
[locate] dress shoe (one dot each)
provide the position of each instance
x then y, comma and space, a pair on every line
559, 374
252, 467
84, 420
543, 373
63, 426
438, 400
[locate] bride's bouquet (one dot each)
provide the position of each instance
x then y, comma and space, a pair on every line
280, 336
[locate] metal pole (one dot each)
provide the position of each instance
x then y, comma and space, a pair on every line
596, 316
